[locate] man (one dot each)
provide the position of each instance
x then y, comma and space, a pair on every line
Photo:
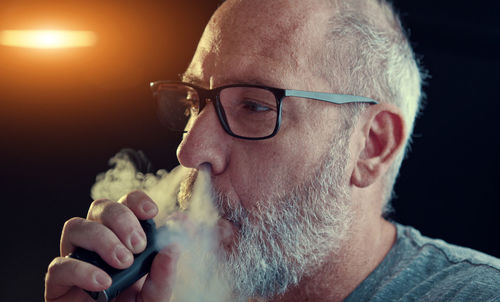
303, 176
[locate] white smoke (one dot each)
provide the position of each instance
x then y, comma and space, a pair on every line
162, 186
197, 278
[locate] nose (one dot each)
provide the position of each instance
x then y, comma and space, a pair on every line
205, 143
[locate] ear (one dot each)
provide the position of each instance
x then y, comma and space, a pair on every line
384, 135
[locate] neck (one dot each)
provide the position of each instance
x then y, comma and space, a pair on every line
371, 240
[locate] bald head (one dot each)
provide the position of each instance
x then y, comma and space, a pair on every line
326, 38
286, 34
274, 23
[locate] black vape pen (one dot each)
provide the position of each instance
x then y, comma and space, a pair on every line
124, 278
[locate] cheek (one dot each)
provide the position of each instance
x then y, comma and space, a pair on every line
263, 171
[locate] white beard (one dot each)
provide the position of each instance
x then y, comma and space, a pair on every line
291, 236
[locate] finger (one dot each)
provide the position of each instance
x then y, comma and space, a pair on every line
64, 274
121, 220
96, 237
158, 284
140, 204
130, 294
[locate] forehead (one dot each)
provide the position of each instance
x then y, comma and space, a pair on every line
272, 24
260, 40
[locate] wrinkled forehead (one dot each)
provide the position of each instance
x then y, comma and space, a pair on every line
289, 31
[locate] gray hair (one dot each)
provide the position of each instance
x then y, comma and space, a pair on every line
369, 49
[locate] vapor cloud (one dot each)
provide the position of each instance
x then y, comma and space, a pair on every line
193, 230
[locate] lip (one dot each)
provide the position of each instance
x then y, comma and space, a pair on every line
228, 231
237, 225
225, 222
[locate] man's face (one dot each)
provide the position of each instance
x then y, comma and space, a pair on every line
241, 46
262, 43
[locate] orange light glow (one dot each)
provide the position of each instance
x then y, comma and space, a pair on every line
47, 38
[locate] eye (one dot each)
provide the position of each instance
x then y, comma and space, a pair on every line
255, 106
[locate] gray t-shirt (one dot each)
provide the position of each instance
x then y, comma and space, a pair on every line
418, 268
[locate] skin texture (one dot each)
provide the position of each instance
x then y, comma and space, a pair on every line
261, 42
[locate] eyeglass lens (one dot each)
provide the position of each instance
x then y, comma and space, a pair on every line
176, 104
248, 111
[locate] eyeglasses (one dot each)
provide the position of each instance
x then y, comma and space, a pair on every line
245, 111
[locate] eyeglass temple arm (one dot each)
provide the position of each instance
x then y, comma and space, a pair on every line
329, 97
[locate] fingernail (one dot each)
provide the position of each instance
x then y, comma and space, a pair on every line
137, 241
148, 208
101, 279
122, 254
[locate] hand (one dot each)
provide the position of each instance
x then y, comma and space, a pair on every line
112, 230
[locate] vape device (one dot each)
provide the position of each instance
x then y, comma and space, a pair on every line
123, 278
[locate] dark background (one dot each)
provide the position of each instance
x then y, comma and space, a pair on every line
64, 113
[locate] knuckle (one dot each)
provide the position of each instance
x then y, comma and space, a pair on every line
71, 265
72, 223
53, 266
120, 214
98, 203
98, 208
115, 218
134, 198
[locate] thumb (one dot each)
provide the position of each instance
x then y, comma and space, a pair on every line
158, 284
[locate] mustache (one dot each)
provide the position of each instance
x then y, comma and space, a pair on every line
227, 208
186, 189
231, 210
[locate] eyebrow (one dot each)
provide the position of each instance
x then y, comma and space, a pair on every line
190, 78
254, 81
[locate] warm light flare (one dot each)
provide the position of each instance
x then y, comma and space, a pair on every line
47, 38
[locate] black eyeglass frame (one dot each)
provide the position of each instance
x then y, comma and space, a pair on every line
279, 94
